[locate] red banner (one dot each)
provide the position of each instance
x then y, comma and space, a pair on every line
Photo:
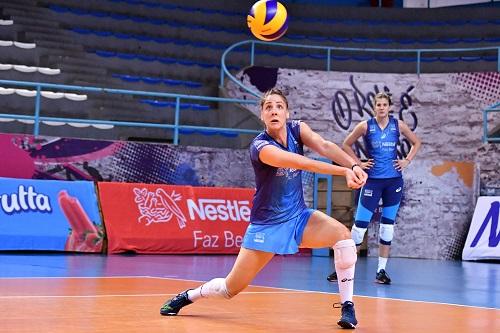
148, 218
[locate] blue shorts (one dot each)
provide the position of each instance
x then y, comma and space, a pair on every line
390, 190
283, 238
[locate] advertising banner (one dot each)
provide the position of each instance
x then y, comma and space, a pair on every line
49, 215
147, 218
483, 238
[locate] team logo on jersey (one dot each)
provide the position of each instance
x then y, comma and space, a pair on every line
289, 173
260, 143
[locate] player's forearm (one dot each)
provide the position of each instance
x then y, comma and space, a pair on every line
321, 167
336, 154
332, 169
413, 151
347, 150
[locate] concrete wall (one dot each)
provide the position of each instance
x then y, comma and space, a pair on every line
445, 112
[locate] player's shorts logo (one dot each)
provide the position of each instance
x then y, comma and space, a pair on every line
259, 237
398, 189
368, 193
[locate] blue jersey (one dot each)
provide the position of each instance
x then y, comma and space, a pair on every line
279, 196
381, 146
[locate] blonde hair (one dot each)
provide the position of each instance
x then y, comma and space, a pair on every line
381, 95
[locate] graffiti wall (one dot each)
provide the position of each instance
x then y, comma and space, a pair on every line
444, 110
24, 156
440, 185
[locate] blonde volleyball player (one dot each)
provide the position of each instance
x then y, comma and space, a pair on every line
385, 179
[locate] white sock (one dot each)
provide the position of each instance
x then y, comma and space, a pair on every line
194, 294
345, 259
382, 262
215, 288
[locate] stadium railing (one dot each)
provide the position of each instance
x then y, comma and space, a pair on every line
418, 57
178, 128
495, 108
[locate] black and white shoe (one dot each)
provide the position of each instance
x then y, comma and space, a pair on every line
332, 277
173, 305
382, 277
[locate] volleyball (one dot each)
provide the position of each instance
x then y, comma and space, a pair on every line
268, 20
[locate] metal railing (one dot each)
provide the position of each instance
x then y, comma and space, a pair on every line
329, 50
491, 109
37, 118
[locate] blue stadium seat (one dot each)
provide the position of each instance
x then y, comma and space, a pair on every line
429, 59
449, 59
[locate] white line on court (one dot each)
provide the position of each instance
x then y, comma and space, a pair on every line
130, 295
286, 290
74, 277
329, 293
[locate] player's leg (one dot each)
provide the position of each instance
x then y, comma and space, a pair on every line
391, 199
324, 231
247, 265
367, 203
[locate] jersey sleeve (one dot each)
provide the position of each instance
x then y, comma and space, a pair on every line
256, 147
295, 129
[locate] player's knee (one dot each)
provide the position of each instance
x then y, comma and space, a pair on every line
357, 234
345, 253
386, 233
216, 288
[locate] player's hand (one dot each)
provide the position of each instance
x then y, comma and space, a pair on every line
360, 173
353, 181
367, 165
401, 164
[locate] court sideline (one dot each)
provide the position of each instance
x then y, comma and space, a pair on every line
123, 293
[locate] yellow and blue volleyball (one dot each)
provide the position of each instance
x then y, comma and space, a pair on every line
268, 20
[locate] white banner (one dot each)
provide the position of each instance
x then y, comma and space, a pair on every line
484, 233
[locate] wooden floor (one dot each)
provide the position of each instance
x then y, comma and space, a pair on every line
131, 304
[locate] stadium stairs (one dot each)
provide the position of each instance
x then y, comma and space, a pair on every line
176, 46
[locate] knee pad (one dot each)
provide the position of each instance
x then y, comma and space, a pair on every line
345, 253
386, 233
357, 234
215, 288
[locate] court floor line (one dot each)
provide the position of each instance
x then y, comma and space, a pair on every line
364, 296
287, 290
76, 277
134, 295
